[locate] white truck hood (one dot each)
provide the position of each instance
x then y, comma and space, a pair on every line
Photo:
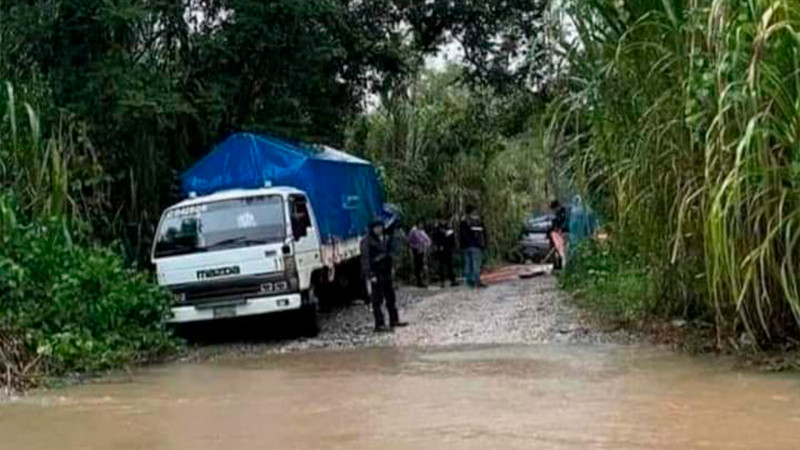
219, 265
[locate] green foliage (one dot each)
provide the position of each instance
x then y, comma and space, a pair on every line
53, 174
439, 146
502, 40
77, 306
66, 305
157, 83
612, 282
683, 117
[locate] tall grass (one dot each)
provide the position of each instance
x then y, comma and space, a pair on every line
33, 171
54, 175
686, 116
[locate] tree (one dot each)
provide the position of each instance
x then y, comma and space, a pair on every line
441, 145
157, 82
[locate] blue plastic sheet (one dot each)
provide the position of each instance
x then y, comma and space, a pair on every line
343, 190
582, 222
582, 225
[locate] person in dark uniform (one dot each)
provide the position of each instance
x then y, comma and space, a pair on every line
473, 243
444, 243
376, 266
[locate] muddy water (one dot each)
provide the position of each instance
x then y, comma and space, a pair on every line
541, 397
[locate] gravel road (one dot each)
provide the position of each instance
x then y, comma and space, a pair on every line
531, 311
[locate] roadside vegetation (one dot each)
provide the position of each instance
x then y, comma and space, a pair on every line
68, 304
616, 284
680, 119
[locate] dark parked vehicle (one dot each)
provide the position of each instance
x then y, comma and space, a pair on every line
534, 244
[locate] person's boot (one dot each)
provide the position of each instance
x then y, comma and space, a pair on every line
399, 324
382, 329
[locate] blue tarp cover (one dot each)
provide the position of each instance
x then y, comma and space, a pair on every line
343, 189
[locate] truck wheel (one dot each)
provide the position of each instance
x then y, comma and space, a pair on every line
309, 322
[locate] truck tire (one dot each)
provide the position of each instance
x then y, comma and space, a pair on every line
308, 319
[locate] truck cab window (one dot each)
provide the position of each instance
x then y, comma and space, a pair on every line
301, 220
221, 225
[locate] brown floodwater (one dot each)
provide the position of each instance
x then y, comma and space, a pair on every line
538, 397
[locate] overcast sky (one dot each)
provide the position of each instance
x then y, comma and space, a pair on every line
450, 53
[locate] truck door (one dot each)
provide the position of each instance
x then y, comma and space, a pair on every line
306, 240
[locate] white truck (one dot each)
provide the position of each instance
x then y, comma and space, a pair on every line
237, 252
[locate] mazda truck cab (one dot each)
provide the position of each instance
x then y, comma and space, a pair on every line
240, 253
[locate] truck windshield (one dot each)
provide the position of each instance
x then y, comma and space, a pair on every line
221, 225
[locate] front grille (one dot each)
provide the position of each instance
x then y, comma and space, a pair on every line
231, 290
217, 293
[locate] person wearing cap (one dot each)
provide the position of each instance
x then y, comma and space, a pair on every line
376, 266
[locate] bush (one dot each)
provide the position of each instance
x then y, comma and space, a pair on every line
610, 281
78, 306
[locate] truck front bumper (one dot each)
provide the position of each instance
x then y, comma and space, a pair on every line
244, 307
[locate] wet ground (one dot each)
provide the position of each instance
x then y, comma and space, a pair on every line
509, 367
549, 396
511, 311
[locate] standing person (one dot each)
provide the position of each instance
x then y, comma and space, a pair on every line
557, 233
473, 243
419, 242
444, 242
376, 266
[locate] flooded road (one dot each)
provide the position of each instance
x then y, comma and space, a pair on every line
546, 396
